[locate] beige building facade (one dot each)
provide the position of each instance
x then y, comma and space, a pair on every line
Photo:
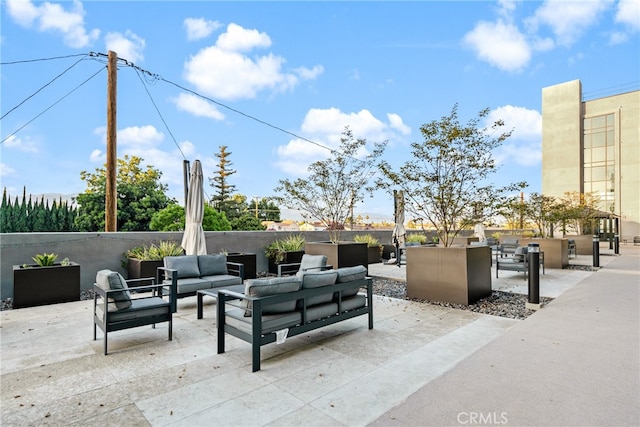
593, 147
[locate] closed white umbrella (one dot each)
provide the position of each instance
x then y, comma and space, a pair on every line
399, 232
193, 241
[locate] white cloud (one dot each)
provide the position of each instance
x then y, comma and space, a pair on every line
500, 44
52, 17
325, 127
140, 136
395, 122
128, 45
239, 39
97, 156
6, 170
568, 20
524, 147
20, 144
628, 13
224, 71
199, 28
197, 106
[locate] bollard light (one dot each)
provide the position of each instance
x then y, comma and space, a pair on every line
596, 251
533, 253
616, 244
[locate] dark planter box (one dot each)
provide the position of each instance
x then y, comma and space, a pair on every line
137, 269
35, 285
289, 258
458, 275
374, 255
341, 254
248, 260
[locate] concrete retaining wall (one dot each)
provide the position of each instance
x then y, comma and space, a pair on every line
96, 251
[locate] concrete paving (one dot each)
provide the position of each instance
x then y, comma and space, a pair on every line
575, 362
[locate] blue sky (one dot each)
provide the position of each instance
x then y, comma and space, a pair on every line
309, 68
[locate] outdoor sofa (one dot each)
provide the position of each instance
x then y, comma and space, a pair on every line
197, 272
518, 262
270, 310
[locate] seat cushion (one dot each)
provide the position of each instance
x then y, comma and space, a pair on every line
210, 265
311, 263
519, 254
186, 265
140, 308
270, 322
274, 286
112, 280
349, 274
221, 280
319, 279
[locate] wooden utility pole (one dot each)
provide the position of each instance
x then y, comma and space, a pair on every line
111, 206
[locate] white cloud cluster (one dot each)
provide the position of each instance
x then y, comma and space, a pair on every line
508, 46
200, 28
197, 106
325, 127
52, 17
128, 46
524, 147
226, 71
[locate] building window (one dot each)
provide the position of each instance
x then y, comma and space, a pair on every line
598, 159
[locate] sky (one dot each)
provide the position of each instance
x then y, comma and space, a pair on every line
277, 82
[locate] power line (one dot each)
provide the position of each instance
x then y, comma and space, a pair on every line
41, 88
51, 106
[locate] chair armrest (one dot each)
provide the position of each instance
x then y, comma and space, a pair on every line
236, 269
164, 274
289, 268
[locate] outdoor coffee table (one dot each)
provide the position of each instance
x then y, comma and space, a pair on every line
214, 294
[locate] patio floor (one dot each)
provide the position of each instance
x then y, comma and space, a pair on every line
53, 373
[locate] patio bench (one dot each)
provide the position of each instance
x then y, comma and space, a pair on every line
519, 262
196, 272
507, 246
270, 310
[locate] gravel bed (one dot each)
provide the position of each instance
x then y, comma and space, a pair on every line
501, 304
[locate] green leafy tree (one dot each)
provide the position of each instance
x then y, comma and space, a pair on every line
140, 195
172, 218
220, 182
266, 210
247, 222
446, 181
335, 184
543, 211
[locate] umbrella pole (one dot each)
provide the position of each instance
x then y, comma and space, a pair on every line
185, 171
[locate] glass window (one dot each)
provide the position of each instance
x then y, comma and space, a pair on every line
610, 154
610, 120
598, 122
598, 139
598, 173
598, 154
586, 125
586, 141
587, 156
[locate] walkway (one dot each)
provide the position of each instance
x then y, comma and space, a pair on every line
573, 362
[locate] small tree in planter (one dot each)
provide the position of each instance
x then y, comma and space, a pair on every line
334, 185
446, 182
45, 282
328, 194
446, 179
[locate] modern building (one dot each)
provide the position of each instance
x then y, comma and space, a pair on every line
593, 146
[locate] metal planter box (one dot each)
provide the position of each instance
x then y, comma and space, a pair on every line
34, 285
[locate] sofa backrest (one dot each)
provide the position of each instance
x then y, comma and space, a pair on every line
186, 265
212, 265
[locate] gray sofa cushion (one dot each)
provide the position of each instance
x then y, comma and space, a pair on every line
110, 280
318, 279
210, 265
519, 254
222, 280
274, 286
311, 263
187, 265
349, 274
